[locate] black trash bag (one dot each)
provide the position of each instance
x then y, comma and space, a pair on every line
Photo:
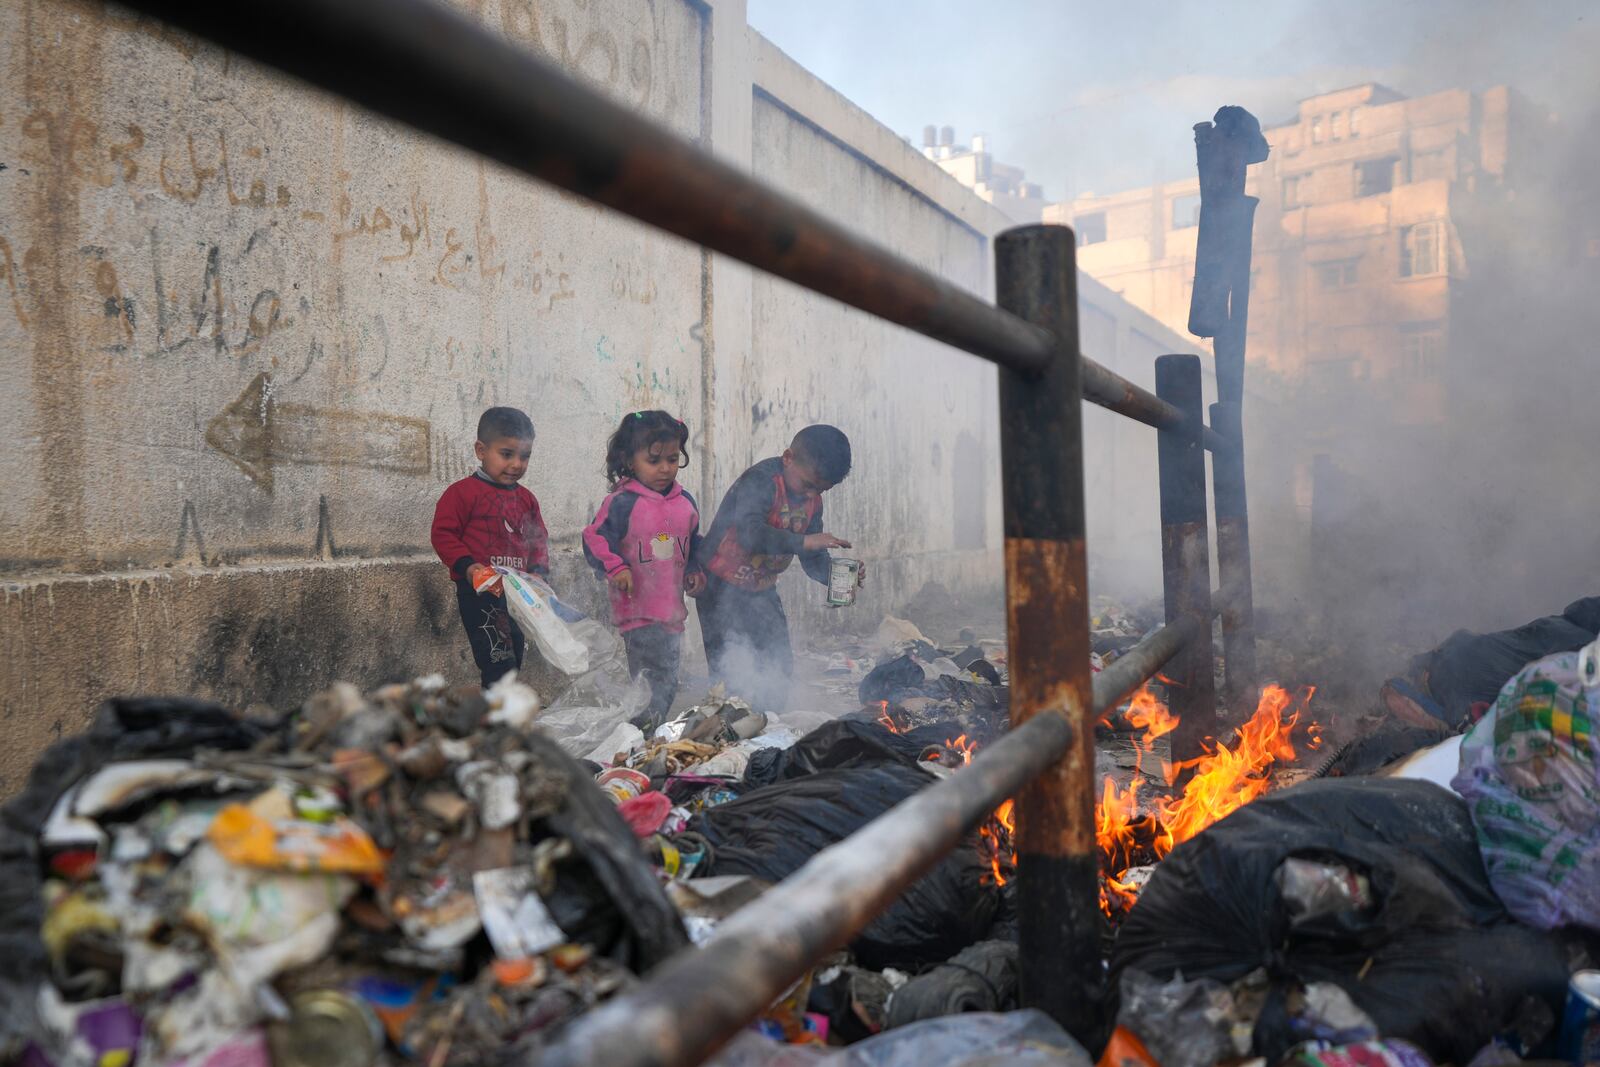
1471, 668
890, 678
1391, 740
1435, 960
612, 899
125, 728
979, 695
769, 833
843, 743
981, 977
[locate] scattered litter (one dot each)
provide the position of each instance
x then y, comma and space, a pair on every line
213, 892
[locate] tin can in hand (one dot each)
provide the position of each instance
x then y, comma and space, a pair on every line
1580, 1023
843, 579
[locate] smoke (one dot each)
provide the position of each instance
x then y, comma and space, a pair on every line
1477, 509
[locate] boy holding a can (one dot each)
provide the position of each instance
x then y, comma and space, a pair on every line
772, 513
489, 520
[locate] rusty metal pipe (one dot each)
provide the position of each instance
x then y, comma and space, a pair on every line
1233, 566
698, 999
1186, 558
1113, 392
1141, 662
1047, 613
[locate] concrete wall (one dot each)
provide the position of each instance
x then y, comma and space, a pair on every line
187, 242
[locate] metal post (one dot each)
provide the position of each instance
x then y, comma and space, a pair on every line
1186, 557
1047, 615
1233, 564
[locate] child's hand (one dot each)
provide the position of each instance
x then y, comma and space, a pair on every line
476, 571
817, 541
861, 576
622, 582
695, 583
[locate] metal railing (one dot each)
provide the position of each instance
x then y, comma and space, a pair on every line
438, 71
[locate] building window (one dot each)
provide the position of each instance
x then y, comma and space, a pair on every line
1375, 176
1355, 121
1421, 249
1091, 229
1185, 211
1336, 126
1428, 166
1295, 189
1337, 274
1316, 130
1421, 351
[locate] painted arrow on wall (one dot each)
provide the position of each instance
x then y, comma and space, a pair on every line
256, 433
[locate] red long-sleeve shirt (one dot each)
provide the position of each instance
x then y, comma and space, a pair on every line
479, 521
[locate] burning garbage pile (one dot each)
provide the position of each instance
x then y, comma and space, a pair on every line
1134, 832
442, 875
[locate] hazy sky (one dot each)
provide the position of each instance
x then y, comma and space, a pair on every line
1102, 96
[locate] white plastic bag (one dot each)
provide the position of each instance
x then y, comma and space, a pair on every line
528, 599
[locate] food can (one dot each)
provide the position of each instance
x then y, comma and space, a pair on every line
1580, 1022
623, 783
326, 1028
843, 579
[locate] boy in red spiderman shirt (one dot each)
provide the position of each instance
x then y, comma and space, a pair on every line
488, 520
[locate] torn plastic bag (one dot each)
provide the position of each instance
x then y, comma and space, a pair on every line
123, 729
1434, 959
1027, 1038
532, 603
1180, 1023
769, 833
1529, 775
982, 977
1471, 668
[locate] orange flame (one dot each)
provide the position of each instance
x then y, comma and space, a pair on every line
885, 719
996, 834
1226, 777
959, 746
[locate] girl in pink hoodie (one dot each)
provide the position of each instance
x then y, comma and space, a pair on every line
641, 541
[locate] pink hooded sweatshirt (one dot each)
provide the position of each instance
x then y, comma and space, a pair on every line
653, 535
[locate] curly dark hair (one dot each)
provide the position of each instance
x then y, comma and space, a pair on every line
641, 429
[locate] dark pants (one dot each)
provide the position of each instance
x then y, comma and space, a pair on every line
496, 641
747, 643
654, 651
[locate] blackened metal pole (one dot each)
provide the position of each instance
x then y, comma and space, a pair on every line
1220, 301
1233, 565
1186, 559
1047, 616
1220, 309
